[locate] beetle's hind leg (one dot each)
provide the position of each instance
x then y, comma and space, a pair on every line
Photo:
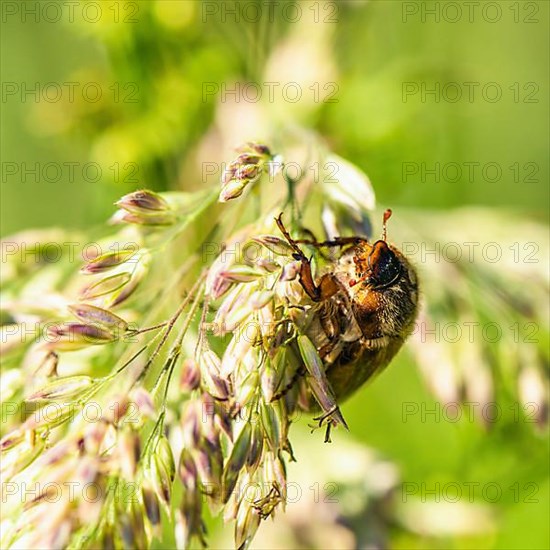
301, 371
328, 420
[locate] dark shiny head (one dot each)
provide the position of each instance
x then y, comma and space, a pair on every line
383, 266
377, 265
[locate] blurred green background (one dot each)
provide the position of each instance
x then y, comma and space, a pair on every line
153, 125
379, 54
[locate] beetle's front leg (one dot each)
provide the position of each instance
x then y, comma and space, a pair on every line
328, 285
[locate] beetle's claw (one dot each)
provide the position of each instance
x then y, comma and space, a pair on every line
331, 418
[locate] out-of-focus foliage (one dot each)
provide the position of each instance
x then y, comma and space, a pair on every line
174, 61
161, 80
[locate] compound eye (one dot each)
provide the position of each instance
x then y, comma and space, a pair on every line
384, 267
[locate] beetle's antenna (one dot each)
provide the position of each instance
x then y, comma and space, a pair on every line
385, 218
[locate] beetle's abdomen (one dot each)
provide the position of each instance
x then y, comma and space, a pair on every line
357, 363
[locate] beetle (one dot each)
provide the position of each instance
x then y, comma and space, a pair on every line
362, 309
